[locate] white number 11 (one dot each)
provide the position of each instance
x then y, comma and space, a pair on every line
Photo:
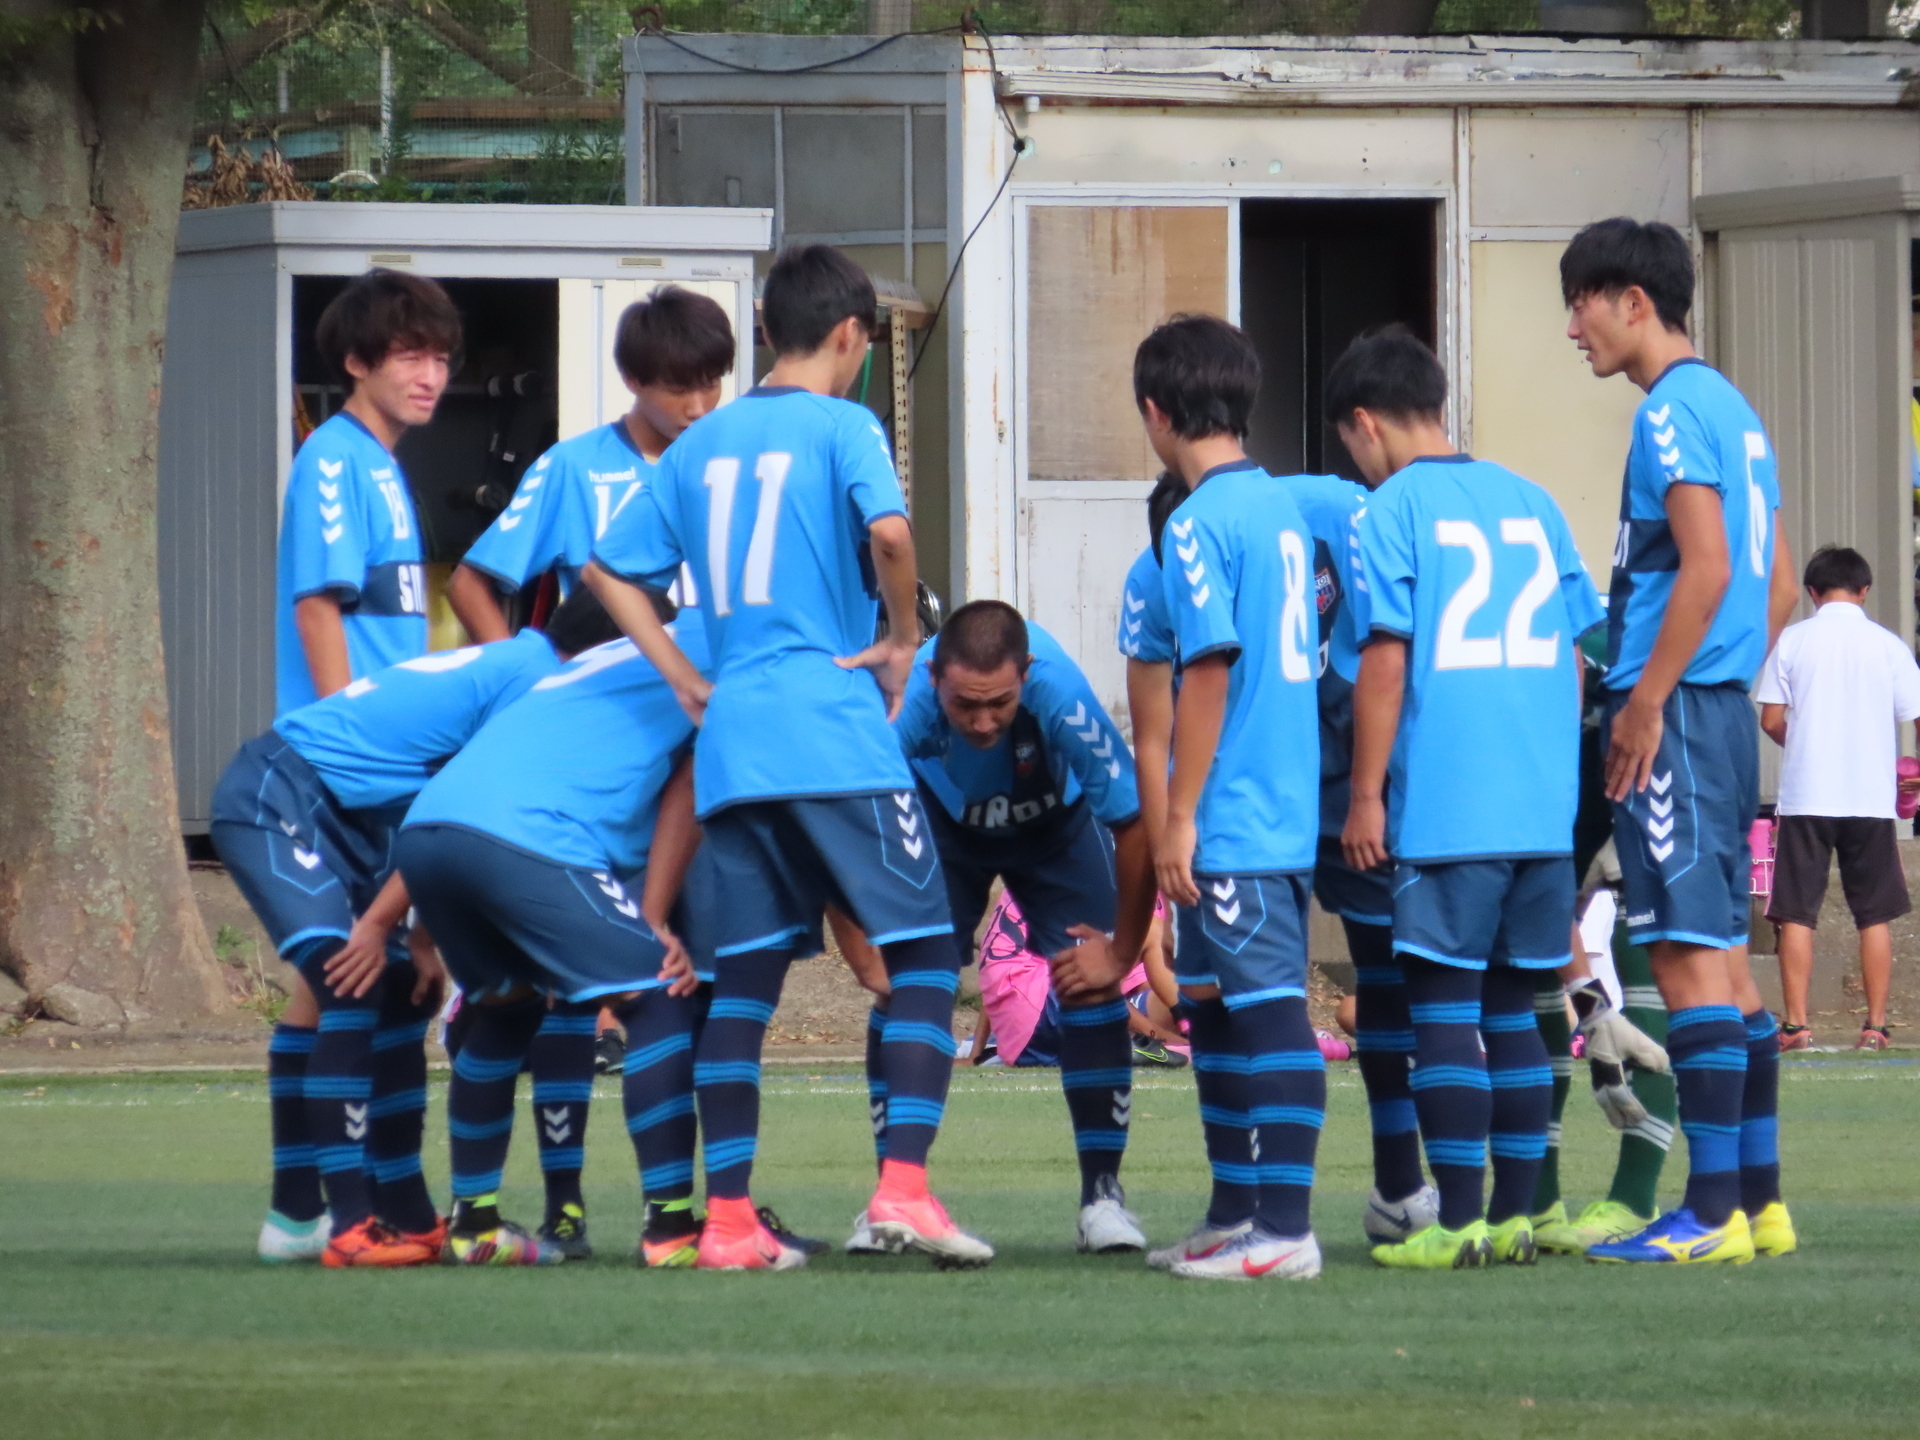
723, 480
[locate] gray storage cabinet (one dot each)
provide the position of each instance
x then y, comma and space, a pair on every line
541, 289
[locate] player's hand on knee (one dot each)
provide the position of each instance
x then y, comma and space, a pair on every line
429, 970
358, 964
1082, 971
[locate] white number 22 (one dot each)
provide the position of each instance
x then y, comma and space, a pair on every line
1520, 646
723, 480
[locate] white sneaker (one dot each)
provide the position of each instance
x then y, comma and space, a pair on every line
863, 1241
285, 1242
1388, 1223
1253, 1256
1203, 1241
1107, 1227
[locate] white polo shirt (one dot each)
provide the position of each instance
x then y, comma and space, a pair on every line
1847, 683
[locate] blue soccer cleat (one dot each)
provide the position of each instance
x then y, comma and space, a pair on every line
1678, 1238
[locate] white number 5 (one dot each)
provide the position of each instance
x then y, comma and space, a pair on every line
756, 580
1453, 650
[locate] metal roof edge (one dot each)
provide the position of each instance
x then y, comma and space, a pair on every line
1794, 204
773, 55
501, 227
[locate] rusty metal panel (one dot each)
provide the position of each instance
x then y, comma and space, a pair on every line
1534, 167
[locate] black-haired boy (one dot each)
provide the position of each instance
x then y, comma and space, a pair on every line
786, 506
1702, 583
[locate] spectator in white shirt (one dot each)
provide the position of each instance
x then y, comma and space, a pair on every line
1834, 693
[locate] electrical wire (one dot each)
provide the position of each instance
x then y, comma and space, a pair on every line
661, 33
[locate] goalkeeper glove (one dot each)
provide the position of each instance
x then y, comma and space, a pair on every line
1613, 1043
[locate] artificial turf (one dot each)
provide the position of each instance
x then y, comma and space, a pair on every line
130, 1304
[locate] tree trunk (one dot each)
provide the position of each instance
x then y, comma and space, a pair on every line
550, 47
96, 916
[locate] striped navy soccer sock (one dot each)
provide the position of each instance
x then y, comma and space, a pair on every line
1760, 1115
561, 1063
656, 1089
726, 1065
1556, 1035
397, 1114
1450, 1086
1096, 1072
480, 1095
877, 1082
1383, 1044
1708, 1047
1220, 1075
916, 1049
339, 1090
1287, 1104
1523, 1087
296, 1178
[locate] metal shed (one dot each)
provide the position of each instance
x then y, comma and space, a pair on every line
540, 289
1308, 188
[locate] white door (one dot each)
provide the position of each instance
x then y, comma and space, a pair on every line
1096, 279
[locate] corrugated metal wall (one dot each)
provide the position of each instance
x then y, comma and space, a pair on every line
218, 515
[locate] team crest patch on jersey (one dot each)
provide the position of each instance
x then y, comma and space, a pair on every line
1025, 756
1326, 590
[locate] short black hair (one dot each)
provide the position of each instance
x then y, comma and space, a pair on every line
581, 622
1203, 374
675, 338
1609, 256
1836, 567
982, 635
809, 290
1388, 371
1169, 493
383, 311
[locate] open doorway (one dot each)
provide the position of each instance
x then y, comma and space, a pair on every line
1314, 274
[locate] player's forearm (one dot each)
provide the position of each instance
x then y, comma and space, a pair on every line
389, 907
898, 574
676, 836
1133, 872
1699, 533
1150, 703
471, 595
1199, 716
1782, 593
633, 612
1377, 697
324, 639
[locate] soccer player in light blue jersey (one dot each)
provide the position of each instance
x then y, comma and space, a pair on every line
303, 818
1026, 780
1702, 584
786, 506
672, 350
351, 592
1470, 599
554, 873
1237, 851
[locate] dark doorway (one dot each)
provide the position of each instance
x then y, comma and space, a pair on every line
1314, 274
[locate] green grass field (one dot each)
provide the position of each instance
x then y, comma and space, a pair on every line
130, 1304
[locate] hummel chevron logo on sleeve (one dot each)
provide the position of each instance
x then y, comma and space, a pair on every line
331, 469
1658, 418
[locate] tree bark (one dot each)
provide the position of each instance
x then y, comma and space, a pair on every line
239, 51
550, 47
438, 22
96, 916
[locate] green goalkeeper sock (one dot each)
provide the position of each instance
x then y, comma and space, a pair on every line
1643, 1149
1550, 1014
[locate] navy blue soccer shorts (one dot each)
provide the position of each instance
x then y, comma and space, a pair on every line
503, 916
306, 864
1060, 877
779, 863
1682, 841
1476, 913
1362, 896
1248, 935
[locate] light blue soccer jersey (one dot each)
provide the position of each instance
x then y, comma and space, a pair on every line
1064, 747
348, 529
573, 772
1476, 569
769, 500
565, 502
1146, 631
1238, 580
378, 741
1694, 428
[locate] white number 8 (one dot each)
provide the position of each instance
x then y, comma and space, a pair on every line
1295, 663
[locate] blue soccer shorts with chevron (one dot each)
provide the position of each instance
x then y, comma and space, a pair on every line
1248, 935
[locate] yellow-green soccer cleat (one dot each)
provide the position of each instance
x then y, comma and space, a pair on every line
1678, 1238
1601, 1221
1773, 1231
1513, 1242
1434, 1248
